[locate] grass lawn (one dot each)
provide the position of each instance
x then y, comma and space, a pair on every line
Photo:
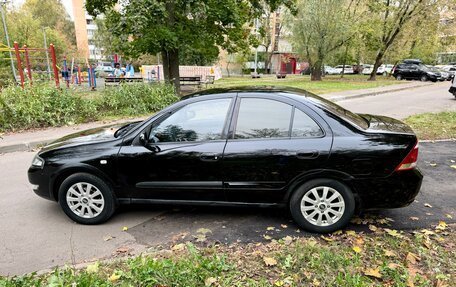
432, 126
381, 257
330, 83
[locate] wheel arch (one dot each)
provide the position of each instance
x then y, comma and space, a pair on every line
343, 177
66, 171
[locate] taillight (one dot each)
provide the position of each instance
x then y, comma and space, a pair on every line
409, 162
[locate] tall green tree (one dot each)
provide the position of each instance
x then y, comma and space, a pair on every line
320, 27
390, 18
169, 26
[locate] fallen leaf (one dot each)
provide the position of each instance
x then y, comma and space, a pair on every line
200, 237
270, 228
315, 282
114, 277
203, 231
393, 265
178, 247
453, 166
452, 161
428, 205
414, 218
373, 272
390, 253
327, 238
357, 249
287, 240
107, 237
283, 225
433, 164
442, 226
337, 232
267, 237
427, 232
92, 268
269, 261
393, 232
125, 228
373, 228
350, 233
209, 281
449, 216
412, 258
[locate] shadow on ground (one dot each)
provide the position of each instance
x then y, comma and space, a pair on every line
436, 202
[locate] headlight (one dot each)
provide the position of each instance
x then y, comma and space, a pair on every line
38, 162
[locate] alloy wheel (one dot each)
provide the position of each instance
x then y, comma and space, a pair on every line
85, 200
322, 206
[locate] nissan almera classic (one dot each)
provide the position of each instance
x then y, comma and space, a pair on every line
257, 146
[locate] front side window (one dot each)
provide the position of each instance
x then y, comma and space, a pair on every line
262, 118
200, 121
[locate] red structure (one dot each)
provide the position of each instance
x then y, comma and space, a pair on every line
26, 51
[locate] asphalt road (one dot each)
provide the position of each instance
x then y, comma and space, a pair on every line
401, 104
35, 233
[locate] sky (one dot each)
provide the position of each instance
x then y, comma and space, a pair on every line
66, 3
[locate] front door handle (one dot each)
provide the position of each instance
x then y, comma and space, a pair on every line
307, 154
210, 156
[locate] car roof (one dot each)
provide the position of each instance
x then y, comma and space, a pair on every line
292, 92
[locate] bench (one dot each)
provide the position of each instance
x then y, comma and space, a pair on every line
113, 81
190, 81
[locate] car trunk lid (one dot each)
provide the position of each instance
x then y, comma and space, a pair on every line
382, 124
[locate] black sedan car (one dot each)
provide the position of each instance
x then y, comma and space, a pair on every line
267, 147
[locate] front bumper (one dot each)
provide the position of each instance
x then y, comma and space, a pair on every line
40, 182
394, 191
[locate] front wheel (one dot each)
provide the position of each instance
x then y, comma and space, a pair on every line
399, 77
424, 78
86, 199
322, 205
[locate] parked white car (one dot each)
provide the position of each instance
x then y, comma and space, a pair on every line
382, 70
367, 69
331, 71
348, 69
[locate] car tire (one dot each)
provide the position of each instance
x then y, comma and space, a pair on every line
322, 205
424, 78
86, 199
399, 77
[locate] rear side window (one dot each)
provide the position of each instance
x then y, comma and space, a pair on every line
304, 126
262, 118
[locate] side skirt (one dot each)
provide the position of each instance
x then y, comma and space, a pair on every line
196, 202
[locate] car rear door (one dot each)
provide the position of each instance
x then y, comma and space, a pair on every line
182, 157
270, 143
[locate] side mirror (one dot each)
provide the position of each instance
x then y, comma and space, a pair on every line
143, 139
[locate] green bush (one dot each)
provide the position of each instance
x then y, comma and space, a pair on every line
136, 99
44, 105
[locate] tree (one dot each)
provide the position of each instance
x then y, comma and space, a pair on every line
169, 26
391, 18
321, 27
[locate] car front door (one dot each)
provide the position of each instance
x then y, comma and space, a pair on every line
178, 157
270, 143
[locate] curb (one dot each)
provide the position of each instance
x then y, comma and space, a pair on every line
369, 94
26, 146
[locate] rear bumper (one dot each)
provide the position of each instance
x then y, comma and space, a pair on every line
394, 191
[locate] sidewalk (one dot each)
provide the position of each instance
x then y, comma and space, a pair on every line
29, 140
352, 94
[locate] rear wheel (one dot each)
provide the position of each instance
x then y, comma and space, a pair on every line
399, 77
424, 78
322, 205
86, 199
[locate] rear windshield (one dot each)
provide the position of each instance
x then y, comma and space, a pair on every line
341, 112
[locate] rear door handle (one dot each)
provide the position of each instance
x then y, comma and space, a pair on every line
210, 156
307, 154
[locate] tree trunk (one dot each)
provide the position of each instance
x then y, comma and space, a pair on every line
316, 71
378, 62
344, 62
171, 68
